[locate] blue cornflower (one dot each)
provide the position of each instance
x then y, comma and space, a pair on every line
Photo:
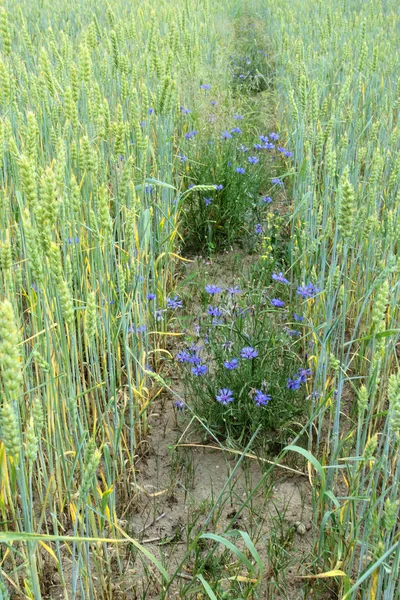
236, 130
243, 148
240, 170
288, 154
183, 356
259, 147
307, 291
72, 240
231, 364
174, 302
151, 296
138, 329
267, 199
148, 189
274, 136
294, 384
207, 201
248, 352
293, 332
303, 374
226, 135
258, 229
277, 302
261, 399
183, 158
214, 311
191, 134
281, 149
199, 370
179, 405
298, 318
253, 160
213, 102
150, 111
238, 117
242, 76
213, 289
224, 396
219, 187
277, 181
142, 123
205, 86
233, 291
264, 139
184, 110
279, 277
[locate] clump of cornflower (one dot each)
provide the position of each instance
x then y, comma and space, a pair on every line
274, 136
248, 352
214, 311
179, 405
226, 135
298, 318
191, 134
236, 130
150, 296
277, 302
234, 291
267, 199
261, 399
205, 86
231, 364
219, 187
258, 228
199, 370
189, 356
213, 289
184, 110
308, 291
277, 181
207, 201
240, 170
238, 117
224, 396
279, 277
174, 303
253, 160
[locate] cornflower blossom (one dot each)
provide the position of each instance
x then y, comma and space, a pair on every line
207, 201
219, 187
235, 290
191, 134
205, 86
238, 117
280, 277
308, 291
258, 228
231, 364
267, 199
72, 240
277, 181
236, 130
248, 352
150, 296
214, 311
213, 289
184, 110
179, 405
199, 370
174, 303
298, 318
277, 303
262, 399
253, 160
226, 135
224, 396
240, 170
273, 136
